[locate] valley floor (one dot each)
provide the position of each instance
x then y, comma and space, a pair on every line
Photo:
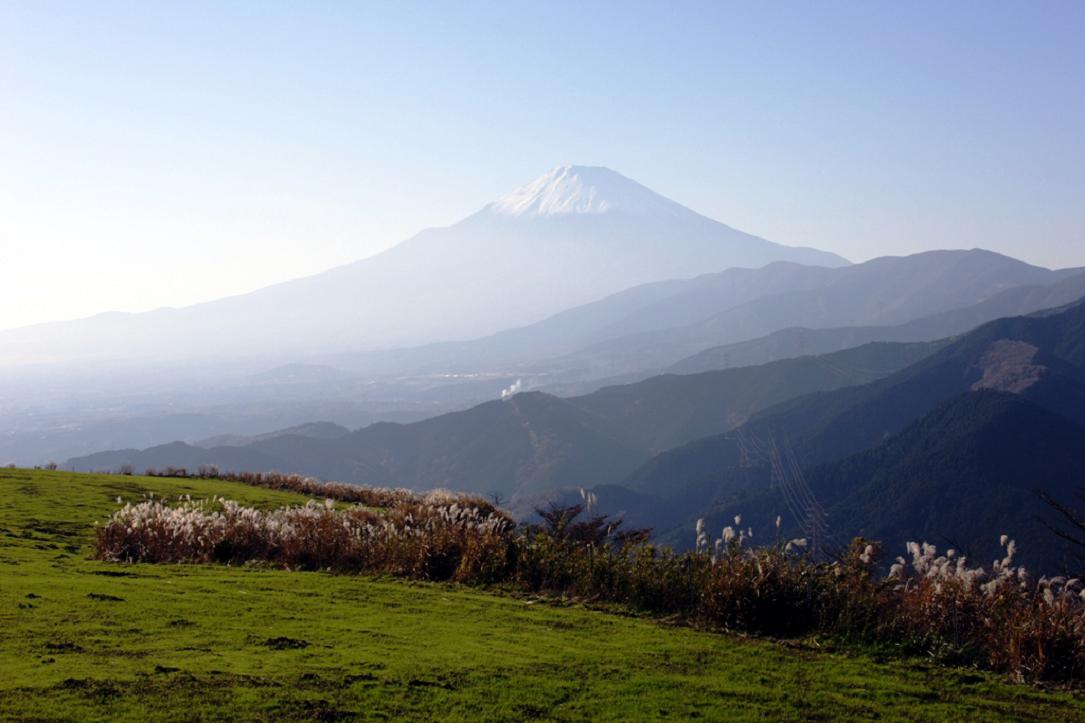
81, 639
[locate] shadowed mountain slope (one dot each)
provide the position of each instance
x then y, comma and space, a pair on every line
1038, 360
1040, 357
534, 442
315, 430
960, 477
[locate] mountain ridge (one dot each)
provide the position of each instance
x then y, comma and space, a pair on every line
533, 442
486, 273
960, 476
825, 427
666, 321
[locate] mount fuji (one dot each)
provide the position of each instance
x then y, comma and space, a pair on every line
571, 236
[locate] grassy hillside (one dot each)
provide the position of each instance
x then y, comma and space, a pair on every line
80, 638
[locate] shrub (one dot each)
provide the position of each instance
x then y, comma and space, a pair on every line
929, 604
382, 497
434, 540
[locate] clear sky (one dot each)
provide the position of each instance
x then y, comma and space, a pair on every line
156, 153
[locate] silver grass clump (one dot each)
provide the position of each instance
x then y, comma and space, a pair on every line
192, 531
590, 499
1004, 576
702, 536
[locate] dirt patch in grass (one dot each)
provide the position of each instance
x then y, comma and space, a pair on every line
285, 643
102, 597
63, 646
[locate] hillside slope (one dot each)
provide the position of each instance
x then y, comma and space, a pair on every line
652, 326
55, 414
139, 642
968, 471
959, 478
535, 442
1040, 360
886, 291
800, 341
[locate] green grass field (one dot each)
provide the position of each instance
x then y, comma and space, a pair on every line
81, 639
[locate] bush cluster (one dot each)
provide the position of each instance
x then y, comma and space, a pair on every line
380, 497
928, 604
436, 536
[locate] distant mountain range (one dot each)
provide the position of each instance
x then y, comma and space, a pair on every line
584, 331
649, 328
586, 279
886, 291
572, 236
984, 422
534, 442
798, 341
738, 317
872, 439
314, 430
945, 441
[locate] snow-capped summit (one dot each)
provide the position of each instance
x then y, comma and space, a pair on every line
582, 190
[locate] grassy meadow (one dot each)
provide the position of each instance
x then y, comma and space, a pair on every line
82, 639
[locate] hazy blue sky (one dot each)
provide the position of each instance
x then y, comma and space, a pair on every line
158, 153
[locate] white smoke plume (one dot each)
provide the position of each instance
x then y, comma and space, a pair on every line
513, 388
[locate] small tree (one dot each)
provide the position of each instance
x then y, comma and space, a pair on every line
1071, 525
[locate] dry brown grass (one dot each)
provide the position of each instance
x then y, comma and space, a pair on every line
929, 604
